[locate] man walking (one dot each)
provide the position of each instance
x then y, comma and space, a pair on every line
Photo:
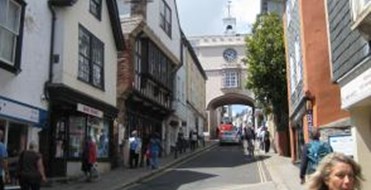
312, 154
135, 147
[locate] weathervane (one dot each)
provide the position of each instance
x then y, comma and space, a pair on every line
229, 8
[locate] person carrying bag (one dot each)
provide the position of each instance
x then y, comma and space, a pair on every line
31, 169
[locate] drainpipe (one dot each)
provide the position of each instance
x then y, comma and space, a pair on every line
47, 131
51, 53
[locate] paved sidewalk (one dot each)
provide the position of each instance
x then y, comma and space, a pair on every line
123, 177
285, 175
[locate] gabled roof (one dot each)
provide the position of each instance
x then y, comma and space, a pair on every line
113, 14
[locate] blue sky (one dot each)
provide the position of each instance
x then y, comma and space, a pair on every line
204, 17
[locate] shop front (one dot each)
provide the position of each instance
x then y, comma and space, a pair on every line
21, 123
74, 118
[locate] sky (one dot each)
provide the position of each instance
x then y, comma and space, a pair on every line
205, 17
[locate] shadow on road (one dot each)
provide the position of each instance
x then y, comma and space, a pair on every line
226, 156
166, 182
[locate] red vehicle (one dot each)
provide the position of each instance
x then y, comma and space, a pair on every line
228, 134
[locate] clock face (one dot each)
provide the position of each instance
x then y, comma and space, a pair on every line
230, 54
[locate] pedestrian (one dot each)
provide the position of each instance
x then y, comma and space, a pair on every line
31, 169
144, 157
202, 138
266, 140
312, 154
3, 161
135, 148
193, 136
155, 148
249, 137
336, 171
89, 158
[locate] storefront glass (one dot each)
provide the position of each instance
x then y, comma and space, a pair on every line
77, 136
15, 140
83, 126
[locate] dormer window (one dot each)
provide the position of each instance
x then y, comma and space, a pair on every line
165, 18
96, 8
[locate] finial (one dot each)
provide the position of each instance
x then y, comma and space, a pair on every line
229, 8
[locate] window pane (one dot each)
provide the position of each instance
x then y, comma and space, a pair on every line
84, 68
77, 135
84, 43
102, 141
14, 15
2, 12
97, 52
97, 75
168, 14
7, 45
93, 8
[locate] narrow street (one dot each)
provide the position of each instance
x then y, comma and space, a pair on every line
223, 167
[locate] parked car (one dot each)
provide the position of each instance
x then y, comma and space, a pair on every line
229, 136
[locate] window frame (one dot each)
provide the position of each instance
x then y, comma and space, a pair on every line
89, 58
15, 66
98, 4
166, 18
231, 79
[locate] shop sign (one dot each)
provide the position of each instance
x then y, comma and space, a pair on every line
342, 143
89, 110
310, 119
19, 111
356, 90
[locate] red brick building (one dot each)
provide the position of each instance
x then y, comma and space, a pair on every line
314, 100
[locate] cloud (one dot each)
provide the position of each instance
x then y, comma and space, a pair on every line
245, 12
204, 17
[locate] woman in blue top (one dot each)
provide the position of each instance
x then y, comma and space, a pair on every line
155, 148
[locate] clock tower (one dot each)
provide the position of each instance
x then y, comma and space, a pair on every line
229, 21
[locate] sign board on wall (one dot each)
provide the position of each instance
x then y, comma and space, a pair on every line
356, 90
342, 143
16, 110
89, 110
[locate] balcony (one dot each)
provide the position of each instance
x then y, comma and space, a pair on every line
361, 12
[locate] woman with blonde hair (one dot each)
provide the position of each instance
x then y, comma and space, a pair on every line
336, 172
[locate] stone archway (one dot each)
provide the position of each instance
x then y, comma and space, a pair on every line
226, 99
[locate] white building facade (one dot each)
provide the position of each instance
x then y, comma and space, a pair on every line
24, 63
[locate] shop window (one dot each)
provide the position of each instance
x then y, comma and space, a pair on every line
60, 139
98, 130
15, 140
77, 136
102, 141
84, 126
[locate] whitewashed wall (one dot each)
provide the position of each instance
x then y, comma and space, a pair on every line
68, 20
153, 20
27, 86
